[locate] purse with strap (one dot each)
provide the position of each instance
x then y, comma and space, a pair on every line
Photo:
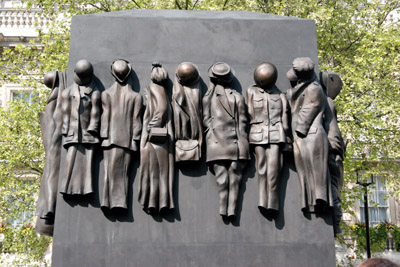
187, 150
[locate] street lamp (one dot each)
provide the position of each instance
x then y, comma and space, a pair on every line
366, 215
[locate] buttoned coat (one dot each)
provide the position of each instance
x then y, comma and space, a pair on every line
81, 109
225, 126
310, 143
268, 113
121, 123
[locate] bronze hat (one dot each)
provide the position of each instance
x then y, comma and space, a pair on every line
83, 72
302, 68
265, 75
50, 79
331, 82
121, 69
187, 73
221, 71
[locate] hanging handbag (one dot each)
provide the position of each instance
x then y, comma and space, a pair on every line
158, 135
187, 150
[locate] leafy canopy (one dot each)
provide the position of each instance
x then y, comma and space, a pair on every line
355, 39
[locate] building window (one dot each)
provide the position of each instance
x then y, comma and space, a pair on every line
25, 216
378, 208
28, 97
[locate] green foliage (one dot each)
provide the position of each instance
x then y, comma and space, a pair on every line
378, 235
354, 40
26, 244
21, 165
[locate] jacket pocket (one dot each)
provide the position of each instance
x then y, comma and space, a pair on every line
313, 130
258, 102
256, 135
275, 102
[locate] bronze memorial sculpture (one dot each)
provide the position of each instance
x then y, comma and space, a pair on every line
186, 105
81, 108
310, 141
121, 127
224, 119
50, 123
157, 146
155, 202
332, 84
269, 131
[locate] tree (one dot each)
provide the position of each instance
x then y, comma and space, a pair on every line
354, 39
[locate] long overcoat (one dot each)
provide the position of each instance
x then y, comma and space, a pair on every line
310, 145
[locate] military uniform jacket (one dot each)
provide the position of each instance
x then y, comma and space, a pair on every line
269, 116
225, 125
81, 108
121, 123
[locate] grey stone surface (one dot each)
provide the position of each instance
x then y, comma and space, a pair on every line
194, 234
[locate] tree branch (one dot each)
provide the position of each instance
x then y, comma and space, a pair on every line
177, 4
138, 6
225, 3
194, 5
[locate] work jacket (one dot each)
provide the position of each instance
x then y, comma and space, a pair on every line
121, 123
81, 109
225, 125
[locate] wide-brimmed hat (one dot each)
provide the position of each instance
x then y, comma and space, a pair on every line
221, 71
187, 73
121, 69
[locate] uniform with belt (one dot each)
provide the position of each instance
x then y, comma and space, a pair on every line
269, 128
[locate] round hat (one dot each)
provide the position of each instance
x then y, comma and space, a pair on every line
187, 73
83, 72
220, 71
265, 75
50, 79
121, 69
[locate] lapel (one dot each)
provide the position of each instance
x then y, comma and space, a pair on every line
220, 92
76, 97
86, 90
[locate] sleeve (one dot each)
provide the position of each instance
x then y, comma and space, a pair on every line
206, 101
249, 104
286, 118
160, 108
242, 118
137, 118
66, 111
95, 113
313, 102
105, 116
336, 144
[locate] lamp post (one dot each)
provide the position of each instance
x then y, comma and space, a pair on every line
366, 214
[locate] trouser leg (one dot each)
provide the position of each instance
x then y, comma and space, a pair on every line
235, 176
221, 174
261, 165
274, 166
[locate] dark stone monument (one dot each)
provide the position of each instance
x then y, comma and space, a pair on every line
192, 233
